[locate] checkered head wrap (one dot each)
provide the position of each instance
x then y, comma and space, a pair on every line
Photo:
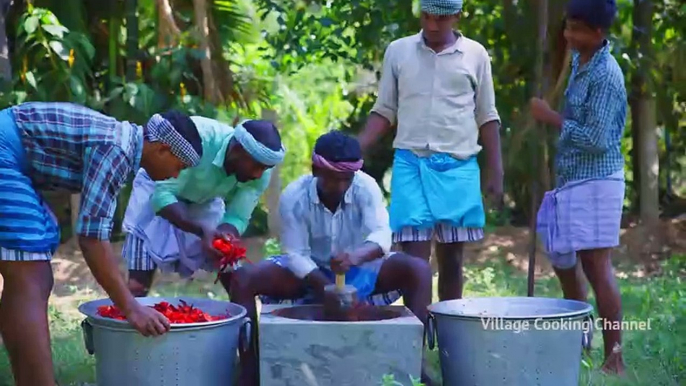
161, 130
442, 7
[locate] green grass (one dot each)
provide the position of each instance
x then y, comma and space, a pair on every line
655, 357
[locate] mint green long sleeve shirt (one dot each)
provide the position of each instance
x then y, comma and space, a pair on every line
208, 180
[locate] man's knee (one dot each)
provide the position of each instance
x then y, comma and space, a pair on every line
242, 281
414, 269
595, 259
140, 282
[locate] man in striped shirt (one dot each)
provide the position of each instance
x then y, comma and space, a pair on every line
62, 146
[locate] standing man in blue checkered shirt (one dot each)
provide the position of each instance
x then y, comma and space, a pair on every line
62, 146
581, 217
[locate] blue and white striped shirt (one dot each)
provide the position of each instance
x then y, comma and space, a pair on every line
594, 118
311, 234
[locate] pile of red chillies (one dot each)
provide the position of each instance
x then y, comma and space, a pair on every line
232, 254
182, 314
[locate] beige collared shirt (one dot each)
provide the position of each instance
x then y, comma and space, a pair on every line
438, 100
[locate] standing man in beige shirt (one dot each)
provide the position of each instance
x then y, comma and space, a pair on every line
436, 87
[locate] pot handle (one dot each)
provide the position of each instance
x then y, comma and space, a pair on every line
87, 329
245, 334
431, 331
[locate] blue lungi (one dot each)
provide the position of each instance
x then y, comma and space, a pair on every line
362, 278
28, 229
581, 215
436, 189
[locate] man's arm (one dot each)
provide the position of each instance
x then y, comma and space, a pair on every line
375, 219
106, 170
384, 112
165, 203
295, 241
487, 117
592, 136
240, 207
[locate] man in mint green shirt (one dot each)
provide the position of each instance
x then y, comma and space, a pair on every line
171, 224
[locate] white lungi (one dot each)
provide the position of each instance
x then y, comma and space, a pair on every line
153, 242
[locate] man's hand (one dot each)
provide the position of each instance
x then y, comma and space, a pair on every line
225, 232
342, 262
147, 321
494, 188
228, 230
208, 236
540, 109
101, 261
541, 112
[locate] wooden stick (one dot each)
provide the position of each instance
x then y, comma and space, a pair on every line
541, 80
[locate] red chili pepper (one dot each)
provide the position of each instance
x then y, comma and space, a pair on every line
232, 251
183, 313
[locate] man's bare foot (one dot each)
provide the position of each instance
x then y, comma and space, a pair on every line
614, 363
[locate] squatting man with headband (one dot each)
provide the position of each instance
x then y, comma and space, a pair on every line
62, 146
333, 221
171, 224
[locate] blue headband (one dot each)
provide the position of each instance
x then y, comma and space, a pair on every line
442, 7
257, 150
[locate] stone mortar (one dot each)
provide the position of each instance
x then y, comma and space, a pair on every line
323, 353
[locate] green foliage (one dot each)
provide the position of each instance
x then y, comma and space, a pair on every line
271, 248
389, 380
654, 357
53, 62
356, 34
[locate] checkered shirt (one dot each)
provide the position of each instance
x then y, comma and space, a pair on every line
594, 118
82, 151
441, 7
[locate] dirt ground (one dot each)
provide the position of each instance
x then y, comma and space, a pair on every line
72, 275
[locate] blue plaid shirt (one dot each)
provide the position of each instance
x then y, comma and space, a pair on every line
594, 118
69, 147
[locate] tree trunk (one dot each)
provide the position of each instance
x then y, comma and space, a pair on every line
644, 125
131, 39
202, 23
168, 32
221, 68
274, 189
5, 62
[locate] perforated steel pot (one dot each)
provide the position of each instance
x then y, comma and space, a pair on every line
509, 341
189, 354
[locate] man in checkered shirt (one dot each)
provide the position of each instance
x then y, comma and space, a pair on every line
62, 146
581, 217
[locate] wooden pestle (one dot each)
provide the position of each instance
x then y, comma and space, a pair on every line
336, 307
340, 282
